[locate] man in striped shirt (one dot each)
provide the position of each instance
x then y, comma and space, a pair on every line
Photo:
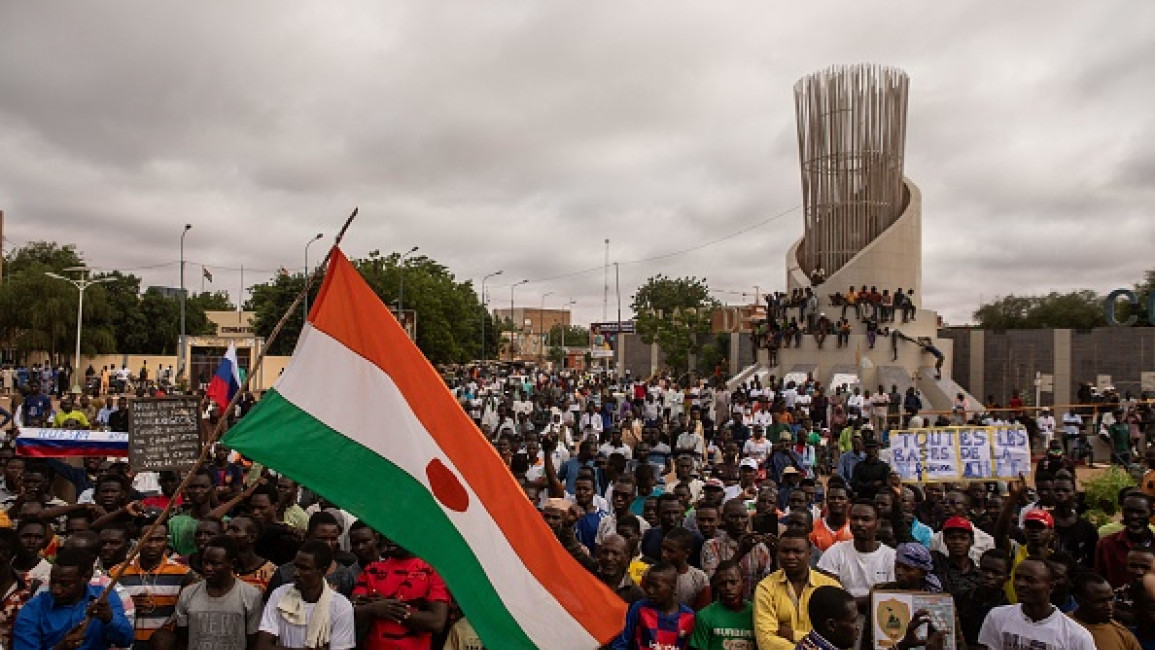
154, 582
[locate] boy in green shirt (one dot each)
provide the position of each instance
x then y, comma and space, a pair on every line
727, 623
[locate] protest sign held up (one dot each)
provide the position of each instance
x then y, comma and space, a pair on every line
960, 453
164, 433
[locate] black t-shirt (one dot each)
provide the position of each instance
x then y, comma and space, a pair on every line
1078, 540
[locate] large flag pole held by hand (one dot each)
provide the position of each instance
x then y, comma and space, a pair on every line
361, 417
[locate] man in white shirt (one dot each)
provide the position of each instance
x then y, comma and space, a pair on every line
292, 607
1034, 622
591, 419
1072, 431
615, 446
862, 562
1046, 424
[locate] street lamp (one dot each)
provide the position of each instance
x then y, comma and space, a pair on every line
541, 327
564, 327
81, 284
401, 270
180, 356
512, 328
319, 236
483, 316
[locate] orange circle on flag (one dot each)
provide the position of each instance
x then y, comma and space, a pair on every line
446, 487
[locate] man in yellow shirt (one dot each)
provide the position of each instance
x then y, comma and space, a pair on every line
781, 600
68, 414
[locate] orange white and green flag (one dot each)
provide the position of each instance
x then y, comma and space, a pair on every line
362, 418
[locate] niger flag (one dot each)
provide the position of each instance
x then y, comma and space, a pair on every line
361, 417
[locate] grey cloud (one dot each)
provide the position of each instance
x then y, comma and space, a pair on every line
513, 136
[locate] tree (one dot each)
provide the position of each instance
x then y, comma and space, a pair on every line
1082, 309
214, 301
448, 312
38, 312
575, 335
671, 313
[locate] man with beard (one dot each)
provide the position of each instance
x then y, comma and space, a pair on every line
1096, 613
738, 543
613, 561
153, 581
404, 598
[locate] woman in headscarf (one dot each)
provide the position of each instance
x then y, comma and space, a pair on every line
913, 571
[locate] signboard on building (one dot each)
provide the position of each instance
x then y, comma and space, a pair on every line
960, 453
604, 337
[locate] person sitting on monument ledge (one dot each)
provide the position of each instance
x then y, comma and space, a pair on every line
822, 329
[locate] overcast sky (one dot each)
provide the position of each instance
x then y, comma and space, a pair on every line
519, 135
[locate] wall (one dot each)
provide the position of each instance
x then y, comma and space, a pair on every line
1010, 358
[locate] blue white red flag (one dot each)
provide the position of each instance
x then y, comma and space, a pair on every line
227, 380
61, 443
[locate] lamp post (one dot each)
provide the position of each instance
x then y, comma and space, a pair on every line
512, 328
81, 284
483, 316
401, 270
564, 327
319, 235
541, 328
180, 345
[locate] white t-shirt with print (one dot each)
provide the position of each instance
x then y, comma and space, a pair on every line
1007, 627
858, 572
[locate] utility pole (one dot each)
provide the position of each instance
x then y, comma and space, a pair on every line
181, 361
618, 290
541, 328
606, 283
512, 325
486, 310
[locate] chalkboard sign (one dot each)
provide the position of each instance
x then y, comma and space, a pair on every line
163, 433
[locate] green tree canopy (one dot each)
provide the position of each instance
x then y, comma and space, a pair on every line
448, 311
672, 312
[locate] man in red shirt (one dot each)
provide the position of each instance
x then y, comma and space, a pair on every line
1111, 553
405, 599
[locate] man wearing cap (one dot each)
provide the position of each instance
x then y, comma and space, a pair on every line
791, 480
1039, 529
870, 473
782, 457
958, 507
747, 487
956, 569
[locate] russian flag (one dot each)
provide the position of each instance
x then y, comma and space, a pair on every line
227, 380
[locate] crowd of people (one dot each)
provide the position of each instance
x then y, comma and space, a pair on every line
791, 316
755, 518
